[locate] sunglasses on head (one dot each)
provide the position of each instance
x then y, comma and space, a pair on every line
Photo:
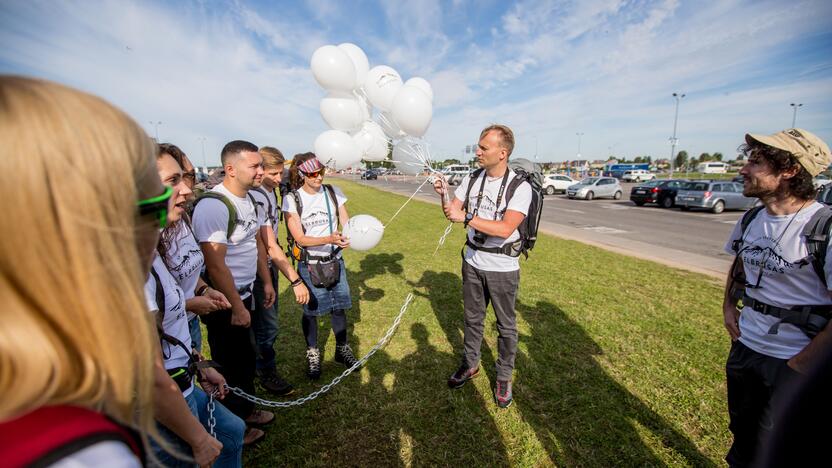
319, 172
157, 205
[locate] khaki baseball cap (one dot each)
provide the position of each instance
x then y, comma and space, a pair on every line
809, 150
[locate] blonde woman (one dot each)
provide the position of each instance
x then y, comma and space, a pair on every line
80, 372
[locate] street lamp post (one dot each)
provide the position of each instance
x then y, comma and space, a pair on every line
156, 128
580, 134
673, 139
204, 164
794, 114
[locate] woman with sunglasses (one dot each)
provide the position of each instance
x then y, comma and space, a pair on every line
313, 212
174, 265
78, 350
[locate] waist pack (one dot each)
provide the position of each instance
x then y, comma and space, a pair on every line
325, 274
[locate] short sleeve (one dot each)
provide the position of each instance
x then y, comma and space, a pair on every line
735, 234
339, 196
462, 189
289, 203
150, 293
521, 199
210, 221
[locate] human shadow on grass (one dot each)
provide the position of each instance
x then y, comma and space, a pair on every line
582, 415
371, 266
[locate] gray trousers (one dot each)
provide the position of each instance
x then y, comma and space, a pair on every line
500, 289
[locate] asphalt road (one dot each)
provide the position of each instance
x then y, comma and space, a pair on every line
690, 240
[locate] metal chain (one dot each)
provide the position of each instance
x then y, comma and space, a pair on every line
287, 404
212, 421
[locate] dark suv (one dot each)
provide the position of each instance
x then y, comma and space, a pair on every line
369, 174
661, 192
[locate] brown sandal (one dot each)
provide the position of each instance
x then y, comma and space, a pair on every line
260, 418
252, 436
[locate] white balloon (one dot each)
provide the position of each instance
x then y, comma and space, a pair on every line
333, 69
359, 61
337, 149
366, 107
388, 125
422, 84
412, 110
408, 156
372, 142
364, 232
381, 86
342, 111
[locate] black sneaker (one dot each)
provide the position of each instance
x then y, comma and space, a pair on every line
462, 375
313, 363
502, 393
343, 354
274, 383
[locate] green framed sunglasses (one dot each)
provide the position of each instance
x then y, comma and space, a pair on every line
157, 205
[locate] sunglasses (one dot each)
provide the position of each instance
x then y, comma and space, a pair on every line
157, 205
319, 172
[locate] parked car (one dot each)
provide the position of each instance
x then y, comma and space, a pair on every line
595, 187
637, 175
369, 174
821, 180
825, 194
714, 196
553, 183
661, 192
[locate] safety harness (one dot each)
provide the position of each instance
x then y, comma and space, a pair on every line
810, 319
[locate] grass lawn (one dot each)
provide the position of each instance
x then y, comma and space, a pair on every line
620, 361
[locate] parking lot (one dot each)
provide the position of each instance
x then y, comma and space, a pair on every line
691, 240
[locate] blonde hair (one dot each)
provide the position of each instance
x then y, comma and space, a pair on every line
272, 157
74, 326
505, 133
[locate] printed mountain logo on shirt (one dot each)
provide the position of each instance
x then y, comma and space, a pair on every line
315, 218
190, 261
755, 255
487, 207
247, 226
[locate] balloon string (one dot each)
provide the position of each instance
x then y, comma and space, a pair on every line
408, 201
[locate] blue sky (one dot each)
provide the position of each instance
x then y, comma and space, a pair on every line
549, 69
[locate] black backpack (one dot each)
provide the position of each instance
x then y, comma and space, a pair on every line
529, 226
816, 232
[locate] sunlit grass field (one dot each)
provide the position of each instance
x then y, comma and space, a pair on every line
620, 361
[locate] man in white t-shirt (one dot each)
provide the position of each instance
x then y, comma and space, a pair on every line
773, 275
232, 260
492, 219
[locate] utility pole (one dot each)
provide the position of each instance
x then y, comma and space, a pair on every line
204, 164
673, 139
794, 114
156, 128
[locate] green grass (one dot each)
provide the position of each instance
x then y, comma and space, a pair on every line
619, 363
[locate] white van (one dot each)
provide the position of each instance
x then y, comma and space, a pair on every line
712, 167
637, 175
455, 172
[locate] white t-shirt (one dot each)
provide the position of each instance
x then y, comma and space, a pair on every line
210, 223
186, 261
520, 201
314, 217
109, 453
175, 322
784, 283
264, 202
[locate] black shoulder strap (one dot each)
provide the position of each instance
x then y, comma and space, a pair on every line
334, 203
474, 176
268, 207
816, 232
747, 217
519, 177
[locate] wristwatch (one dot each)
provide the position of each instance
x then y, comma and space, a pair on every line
468, 218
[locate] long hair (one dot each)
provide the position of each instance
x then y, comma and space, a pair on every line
801, 185
295, 179
74, 325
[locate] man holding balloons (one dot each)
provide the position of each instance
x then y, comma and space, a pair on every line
488, 275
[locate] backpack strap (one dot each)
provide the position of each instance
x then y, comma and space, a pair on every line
48, 434
293, 250
474, 176
232, 210
816, 232
747, 217
334, 203
268, 207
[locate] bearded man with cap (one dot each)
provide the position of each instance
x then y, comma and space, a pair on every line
782, 279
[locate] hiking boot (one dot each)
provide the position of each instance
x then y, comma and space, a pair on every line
343, 354
462, 375
274, 383
502, 393
313, 363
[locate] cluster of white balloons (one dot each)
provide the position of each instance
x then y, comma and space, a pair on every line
405, 110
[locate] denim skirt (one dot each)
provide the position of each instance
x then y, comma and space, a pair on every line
324, 300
